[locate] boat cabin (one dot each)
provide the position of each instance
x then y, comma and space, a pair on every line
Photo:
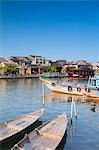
95, 82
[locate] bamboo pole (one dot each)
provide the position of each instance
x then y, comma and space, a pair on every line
73, 109
87, 88
43, 92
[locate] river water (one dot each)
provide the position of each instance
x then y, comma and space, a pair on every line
21, 96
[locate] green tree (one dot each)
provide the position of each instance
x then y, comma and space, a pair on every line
49, 69
44, 69
10, 68
52, 69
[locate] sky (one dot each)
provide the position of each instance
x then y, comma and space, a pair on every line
56, 29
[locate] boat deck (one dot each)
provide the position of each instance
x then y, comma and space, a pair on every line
16, 125
46, 137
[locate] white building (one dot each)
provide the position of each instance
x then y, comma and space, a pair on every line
39, 60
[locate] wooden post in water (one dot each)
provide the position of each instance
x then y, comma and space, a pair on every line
73, 108
87, 87
71, 111
43, 92
72, 130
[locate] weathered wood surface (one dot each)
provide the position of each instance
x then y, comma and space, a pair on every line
11, 127
45, 137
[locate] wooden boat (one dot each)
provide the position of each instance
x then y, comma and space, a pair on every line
75, 89
49, 75
14, 126
46, 137
52, 75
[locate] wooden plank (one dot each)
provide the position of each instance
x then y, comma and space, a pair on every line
16, 125
53, 136
47, 136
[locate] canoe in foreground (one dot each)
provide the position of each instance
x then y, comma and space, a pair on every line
14, 126
46, 137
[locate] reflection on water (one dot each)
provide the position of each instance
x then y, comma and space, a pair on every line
50, 96
72, 129
21, 96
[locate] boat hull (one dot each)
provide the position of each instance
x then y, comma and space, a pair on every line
60, 89
71, 89
47, 136
49, 76
10, 141
9, 129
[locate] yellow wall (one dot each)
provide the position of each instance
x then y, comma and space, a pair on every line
28, 71
2, 65
21, 71
1, 70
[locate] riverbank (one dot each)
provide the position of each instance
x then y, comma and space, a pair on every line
20, 77
27, 76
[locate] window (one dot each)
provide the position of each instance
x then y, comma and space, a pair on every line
93, 82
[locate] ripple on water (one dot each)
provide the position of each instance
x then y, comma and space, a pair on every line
18, 97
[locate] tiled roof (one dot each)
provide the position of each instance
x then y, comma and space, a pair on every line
4, 60
19, 58
35, 56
